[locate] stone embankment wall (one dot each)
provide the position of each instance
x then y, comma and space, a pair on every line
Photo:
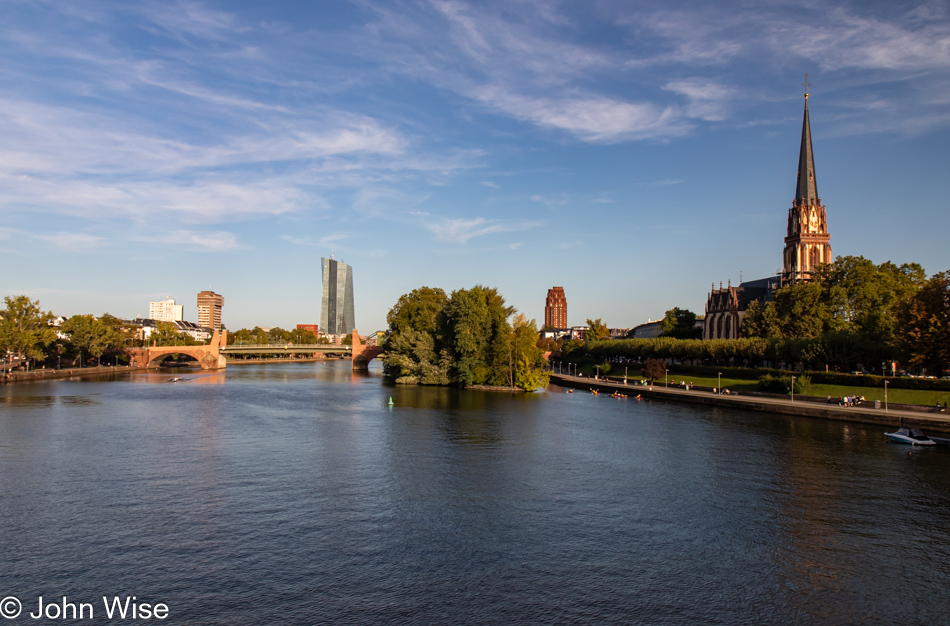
51, 374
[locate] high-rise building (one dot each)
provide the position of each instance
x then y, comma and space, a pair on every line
555, 308
209, 309
336, 310
166, 311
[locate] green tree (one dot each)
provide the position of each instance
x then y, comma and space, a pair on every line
801, 310
473, 327
680, 324
597, 330
864, 298
526, 363
302, 337
91, 336
24, 328
278, 335
240, 337
167, 334
411, 359
924, 335
760, 320
418, 310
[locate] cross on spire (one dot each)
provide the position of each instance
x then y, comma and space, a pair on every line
806, 85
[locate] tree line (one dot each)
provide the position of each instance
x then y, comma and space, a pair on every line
464, 338
851, 313
27, 334
888, 309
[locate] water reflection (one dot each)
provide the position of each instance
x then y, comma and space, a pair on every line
299, 486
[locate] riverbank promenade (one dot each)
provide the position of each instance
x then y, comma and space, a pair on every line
752, 402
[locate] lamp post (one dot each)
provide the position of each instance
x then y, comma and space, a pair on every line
666, 377
793, 389
719, 382
625, 375
885, 395
597, 375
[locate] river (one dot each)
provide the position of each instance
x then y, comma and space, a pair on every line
294, 494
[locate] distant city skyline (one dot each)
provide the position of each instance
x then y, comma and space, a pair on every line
633, 154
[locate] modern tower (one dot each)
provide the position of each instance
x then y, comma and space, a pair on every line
166, 311
807, 242
336, 310
209, 309
555, 308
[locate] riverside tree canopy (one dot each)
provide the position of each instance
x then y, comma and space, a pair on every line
465, 338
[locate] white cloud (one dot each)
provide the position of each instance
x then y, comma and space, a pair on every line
591, 118
218, 241
73, 242
461, 230
707, 99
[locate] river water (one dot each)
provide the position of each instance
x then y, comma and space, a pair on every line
293, 494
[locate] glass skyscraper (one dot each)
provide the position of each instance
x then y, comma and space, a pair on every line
336, 310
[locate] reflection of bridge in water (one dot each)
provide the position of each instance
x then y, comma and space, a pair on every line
213, 356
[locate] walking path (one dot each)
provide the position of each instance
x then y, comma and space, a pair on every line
806, 408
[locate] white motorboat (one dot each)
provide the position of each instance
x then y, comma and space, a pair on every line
913, 436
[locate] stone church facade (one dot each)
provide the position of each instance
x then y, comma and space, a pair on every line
807, 245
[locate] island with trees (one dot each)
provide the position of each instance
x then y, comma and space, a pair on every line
469, 338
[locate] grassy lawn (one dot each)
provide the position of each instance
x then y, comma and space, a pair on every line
901, 396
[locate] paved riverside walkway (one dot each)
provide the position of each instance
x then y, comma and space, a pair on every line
863, 413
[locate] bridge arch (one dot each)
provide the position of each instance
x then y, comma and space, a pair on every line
363, 354
209, 357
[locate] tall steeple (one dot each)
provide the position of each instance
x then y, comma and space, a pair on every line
807, 242
806, 192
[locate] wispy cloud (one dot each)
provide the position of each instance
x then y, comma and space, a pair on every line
217, 241
72, 242
461, 230
706, 99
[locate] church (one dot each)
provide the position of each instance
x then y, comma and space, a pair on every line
807, 245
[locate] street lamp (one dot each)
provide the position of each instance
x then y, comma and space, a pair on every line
597, 375
719, 382
885, 395
666, 376
793, 389
625, 374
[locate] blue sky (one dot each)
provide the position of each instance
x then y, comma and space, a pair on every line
631, 152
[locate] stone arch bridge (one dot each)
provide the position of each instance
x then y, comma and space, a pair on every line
213, 355
209, 356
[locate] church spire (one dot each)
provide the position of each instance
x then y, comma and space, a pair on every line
806, 192
807, 243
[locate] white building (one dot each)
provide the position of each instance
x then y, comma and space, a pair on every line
166, 311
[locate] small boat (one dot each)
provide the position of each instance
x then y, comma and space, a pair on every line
570, 391
176, 379
913, 436
594, 391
